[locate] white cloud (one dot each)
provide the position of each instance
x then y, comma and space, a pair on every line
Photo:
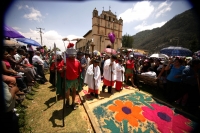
144, 26
139, 11
33, 15
163, 8
19, 7
49, 38
16, 28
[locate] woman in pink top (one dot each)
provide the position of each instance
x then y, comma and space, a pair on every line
129, 70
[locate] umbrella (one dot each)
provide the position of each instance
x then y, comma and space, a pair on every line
97, 53
176, 51
136, 54
159, 56
77, 39
28, 41
65, 39
11, 33
11, 43
109, 51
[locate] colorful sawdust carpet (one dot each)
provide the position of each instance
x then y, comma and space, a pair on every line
139, 113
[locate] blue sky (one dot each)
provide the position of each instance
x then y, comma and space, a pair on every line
61, 19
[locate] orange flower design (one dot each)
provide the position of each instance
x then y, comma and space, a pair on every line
126, 110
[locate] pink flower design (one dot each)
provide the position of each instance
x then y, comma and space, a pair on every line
166, 120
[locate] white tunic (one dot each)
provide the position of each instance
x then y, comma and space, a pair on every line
120, 72
89, 77
107, 70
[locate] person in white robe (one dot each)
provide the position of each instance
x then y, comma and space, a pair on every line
93, 79
109, 70
119, 75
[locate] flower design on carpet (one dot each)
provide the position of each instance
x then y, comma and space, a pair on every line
127, 111
167, 121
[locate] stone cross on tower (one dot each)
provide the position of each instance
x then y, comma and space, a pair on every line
103, 8
109, 7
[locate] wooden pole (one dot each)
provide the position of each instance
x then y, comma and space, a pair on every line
112, 64
122, 74
64, 86
55, 70
92, 45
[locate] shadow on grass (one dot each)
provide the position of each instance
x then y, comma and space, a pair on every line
58, 114
48, 102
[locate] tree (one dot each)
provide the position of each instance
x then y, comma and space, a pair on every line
127, 41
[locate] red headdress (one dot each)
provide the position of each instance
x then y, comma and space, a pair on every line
70, 45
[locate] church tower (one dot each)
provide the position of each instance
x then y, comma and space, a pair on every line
102, 25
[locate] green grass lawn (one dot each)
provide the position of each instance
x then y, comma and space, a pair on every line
40, 113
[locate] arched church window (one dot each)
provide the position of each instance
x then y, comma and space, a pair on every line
105, 17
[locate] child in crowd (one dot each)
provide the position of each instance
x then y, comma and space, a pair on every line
119, 75
93, 78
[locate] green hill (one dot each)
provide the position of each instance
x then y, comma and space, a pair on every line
184, 26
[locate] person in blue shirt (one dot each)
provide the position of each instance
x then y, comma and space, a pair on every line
173, 88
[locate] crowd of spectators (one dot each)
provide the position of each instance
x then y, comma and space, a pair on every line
22, 68
179, 76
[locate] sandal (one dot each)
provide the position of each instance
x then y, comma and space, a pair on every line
134, 86
97, 96
74, 106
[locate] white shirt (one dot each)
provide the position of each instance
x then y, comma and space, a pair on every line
37, 59
9, 100
17, 57
89, 77
119, 73
107, 70
25, 61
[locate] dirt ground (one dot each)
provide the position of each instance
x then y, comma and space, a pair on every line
44, 114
